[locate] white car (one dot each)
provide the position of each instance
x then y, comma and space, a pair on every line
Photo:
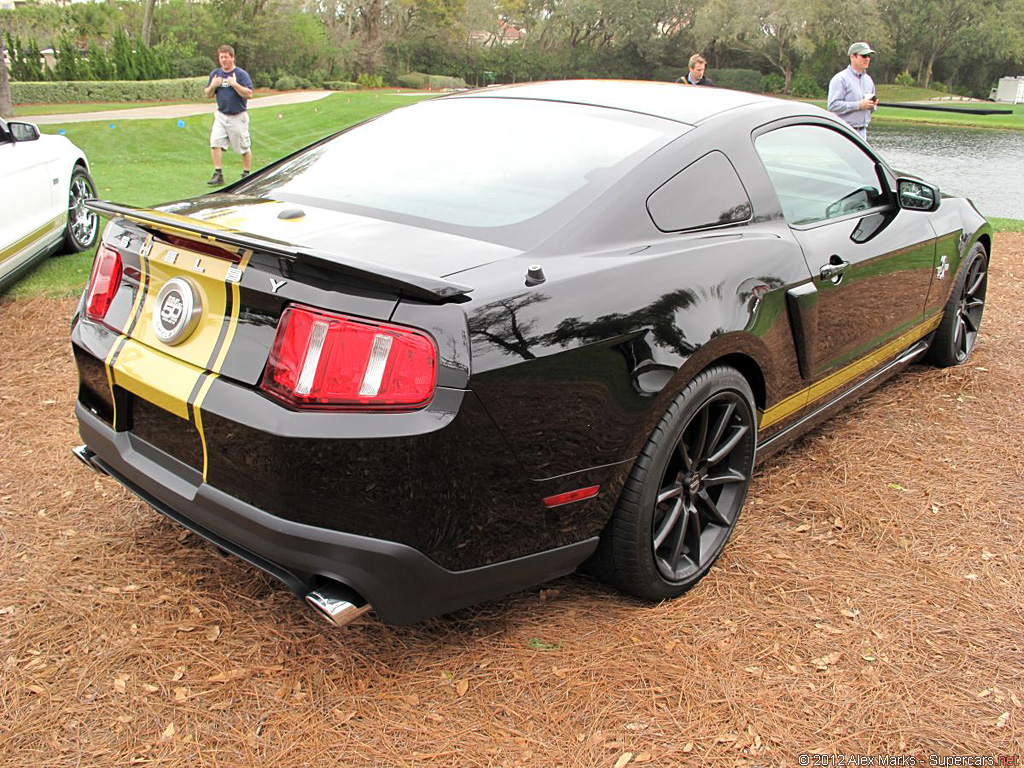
44, 183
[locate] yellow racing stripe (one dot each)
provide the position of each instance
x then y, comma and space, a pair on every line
156, 377
177, 378
130, 321
32, 238
215, 365
843, 376
204, 388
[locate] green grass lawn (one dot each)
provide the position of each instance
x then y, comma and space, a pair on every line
896, 93
23, 110
907, 93
1007, 225
1013, 121
146, 162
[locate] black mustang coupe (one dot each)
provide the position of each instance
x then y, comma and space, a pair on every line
479, 342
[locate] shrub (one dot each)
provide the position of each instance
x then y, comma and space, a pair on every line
340, 85
443, 81
904, 79
668, 74
291, 83
75, 91
804, 86
940, 87
413, 80
370, 81
436, 82
773, 83
737, 79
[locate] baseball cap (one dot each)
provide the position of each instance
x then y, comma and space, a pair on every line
862, 48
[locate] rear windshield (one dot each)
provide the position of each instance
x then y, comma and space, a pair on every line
496, 169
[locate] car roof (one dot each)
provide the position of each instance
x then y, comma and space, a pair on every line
672, 101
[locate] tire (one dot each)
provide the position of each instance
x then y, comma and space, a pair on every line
685, 493
958, 330
83, 225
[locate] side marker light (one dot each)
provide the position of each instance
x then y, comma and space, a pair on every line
570, 496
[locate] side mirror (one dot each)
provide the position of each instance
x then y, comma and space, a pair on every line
917, 195
23, 131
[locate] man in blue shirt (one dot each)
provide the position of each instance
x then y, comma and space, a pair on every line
851, 93
233, 88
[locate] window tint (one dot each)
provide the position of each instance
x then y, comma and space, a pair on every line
705, 193
818, 173
469, 163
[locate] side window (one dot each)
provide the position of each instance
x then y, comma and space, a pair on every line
818, 173
706, 193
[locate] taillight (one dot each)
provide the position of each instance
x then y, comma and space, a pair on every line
326, 360
103, 282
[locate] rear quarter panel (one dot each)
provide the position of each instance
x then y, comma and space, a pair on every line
577, 371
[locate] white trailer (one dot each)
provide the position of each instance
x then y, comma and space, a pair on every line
1010, 90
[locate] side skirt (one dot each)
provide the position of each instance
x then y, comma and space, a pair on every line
26, 265
791, 433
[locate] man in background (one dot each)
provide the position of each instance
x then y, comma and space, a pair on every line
232, 87
851, 93
696, 74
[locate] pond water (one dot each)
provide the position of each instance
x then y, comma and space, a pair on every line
984, 165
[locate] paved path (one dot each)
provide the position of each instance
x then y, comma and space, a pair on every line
173, 110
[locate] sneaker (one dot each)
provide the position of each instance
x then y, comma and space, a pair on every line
244, 174
217, 180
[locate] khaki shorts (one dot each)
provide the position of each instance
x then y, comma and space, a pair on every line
230, 130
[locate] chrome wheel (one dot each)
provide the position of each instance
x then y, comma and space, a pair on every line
83, 225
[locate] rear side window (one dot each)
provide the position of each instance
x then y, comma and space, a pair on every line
706, 193
818, 173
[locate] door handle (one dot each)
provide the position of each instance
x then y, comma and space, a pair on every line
835, 268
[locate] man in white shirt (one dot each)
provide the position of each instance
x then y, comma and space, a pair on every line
851, 93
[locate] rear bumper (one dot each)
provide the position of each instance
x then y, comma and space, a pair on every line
402, 583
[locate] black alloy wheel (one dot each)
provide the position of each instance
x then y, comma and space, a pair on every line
961, 319
702, 488
685, 493
83, 225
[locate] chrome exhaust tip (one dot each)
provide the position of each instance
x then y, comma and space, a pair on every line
338, 604
84, 454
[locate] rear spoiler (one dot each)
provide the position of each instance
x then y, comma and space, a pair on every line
410, 283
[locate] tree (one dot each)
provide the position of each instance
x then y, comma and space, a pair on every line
147, 22
66, 66
99, 63
123, 60
6, 110
777, 30
785, 32
928, 29
833, 27
26, 60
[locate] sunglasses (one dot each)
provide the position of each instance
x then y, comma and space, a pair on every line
864, 55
